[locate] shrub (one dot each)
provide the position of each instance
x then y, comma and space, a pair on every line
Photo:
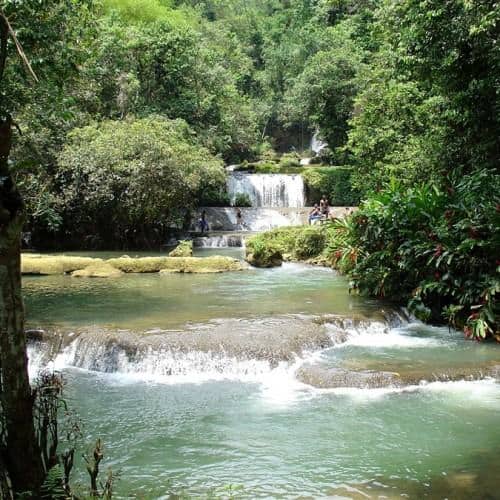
335, 182
290, 160
435, 248
262, 253
309, 242
297, 242
214, 197
242, 200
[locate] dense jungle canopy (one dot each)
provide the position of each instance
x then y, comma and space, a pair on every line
399, 90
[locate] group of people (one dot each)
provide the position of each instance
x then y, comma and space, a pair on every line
320, 211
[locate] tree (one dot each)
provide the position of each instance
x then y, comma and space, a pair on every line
21, 456
126, 182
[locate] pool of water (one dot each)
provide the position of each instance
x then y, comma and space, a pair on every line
170, 301
271, 436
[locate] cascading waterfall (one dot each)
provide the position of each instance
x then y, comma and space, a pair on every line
317, 145
268, 190
220, 241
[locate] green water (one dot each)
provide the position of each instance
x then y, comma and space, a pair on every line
143, 301
276, 438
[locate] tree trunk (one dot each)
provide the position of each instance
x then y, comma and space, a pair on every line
22, 455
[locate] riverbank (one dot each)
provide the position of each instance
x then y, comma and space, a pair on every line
440, 274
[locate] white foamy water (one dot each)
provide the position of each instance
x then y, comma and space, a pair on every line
268, 190
485, 392
378, 335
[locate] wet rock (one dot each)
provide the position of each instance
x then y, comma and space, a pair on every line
273, 340
36, 335
330, 378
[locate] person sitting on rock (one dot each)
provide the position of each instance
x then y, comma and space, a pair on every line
314, 214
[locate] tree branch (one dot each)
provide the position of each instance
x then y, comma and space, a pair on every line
7, 30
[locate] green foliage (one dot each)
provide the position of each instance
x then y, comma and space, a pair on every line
133, 175
296, 242
214, 196
53, 486
242, 200
309, 242
290, 160
436, 248
142, 11
262, 253
324, 92
431, 105
335, 182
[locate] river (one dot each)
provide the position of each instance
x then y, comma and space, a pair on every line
197, 384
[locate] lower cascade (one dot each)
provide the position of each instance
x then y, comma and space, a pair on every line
252, 350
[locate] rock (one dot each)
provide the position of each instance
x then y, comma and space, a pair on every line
53, 264
330, 378
214, 264
183, 249
88, 267
36, 335
271, 339
97, 270
260, 261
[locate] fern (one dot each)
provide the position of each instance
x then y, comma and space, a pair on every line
52, 488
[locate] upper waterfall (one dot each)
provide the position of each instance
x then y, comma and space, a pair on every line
317, 144
268, 190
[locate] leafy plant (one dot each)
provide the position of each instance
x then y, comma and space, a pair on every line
242, 200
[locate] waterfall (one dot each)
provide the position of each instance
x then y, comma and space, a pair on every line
268, 190
220, 241
317, 145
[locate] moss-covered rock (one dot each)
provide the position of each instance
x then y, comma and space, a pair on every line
271, 248
98, 270
88, 267
183, 249
53, 264
260, 253
214, 264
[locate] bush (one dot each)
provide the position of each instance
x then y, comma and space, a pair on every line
242, 200
297, 242
309, 242
335, 182
214, 197
262, 253
266, 168
290, 160
435, 248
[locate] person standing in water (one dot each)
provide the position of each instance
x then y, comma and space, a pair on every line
239, 218
203, 222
